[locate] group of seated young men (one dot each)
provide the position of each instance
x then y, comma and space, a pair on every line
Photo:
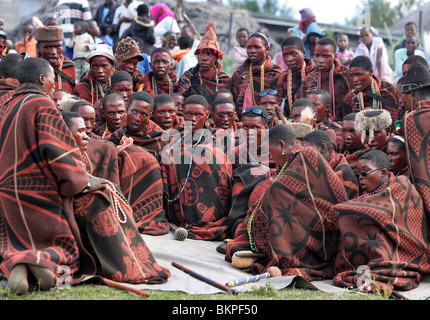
317, 170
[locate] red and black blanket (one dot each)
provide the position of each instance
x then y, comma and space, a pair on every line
289, 226
113, 238
151, 138
40, 169
388, 95
157, 86
142, 186
343, 170
101, 160
212, 80
197, 179
7, 86
417, 138
340, 82
262, 76
282, 84
386, 234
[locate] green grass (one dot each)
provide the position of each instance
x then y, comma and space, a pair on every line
101, 292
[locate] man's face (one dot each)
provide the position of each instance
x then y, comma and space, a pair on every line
410, 30
379, 140
114, 114
224, 116
129, 65
324, 57
296, 114
50, 51
101, 68
138, 114
256, 49
411, 44
360, 78
196, 114
270, 103
179, 104
206, 59
164, 115
293, 57
373, 180
49, 82
78, 131
124, 89
397, 156
321, 110
351, 137
161, 64
255, 130
57, 96
88, 114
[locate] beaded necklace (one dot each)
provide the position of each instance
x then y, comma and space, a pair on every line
251, 80
189, 169
250, 154
97, 87
379, 189
106, 131
251, 243
330, 86
375, 91
59, 81
216, 78
154, 85
290, 84
119, 201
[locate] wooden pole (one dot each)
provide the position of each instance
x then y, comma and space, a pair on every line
203, 278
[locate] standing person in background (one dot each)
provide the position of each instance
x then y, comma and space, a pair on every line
50, 48
373, 47
67, 12
307, 17
239, 52
28, 43
410, 28
124, 15
106, 12
142, 27
400, 55
189, 60
255, 74
344, 55
82, 43
164, 22
128, 56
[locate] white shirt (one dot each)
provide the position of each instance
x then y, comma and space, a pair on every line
129, 12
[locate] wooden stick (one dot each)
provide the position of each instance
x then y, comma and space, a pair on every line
248, 279
117, 285
203, 278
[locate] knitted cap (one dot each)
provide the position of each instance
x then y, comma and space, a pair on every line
101, 50
306, 15
126, 49
51, 33
371, 121
210, 41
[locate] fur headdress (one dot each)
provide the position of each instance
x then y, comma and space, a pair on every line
49, 34
301, 129
371, 121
